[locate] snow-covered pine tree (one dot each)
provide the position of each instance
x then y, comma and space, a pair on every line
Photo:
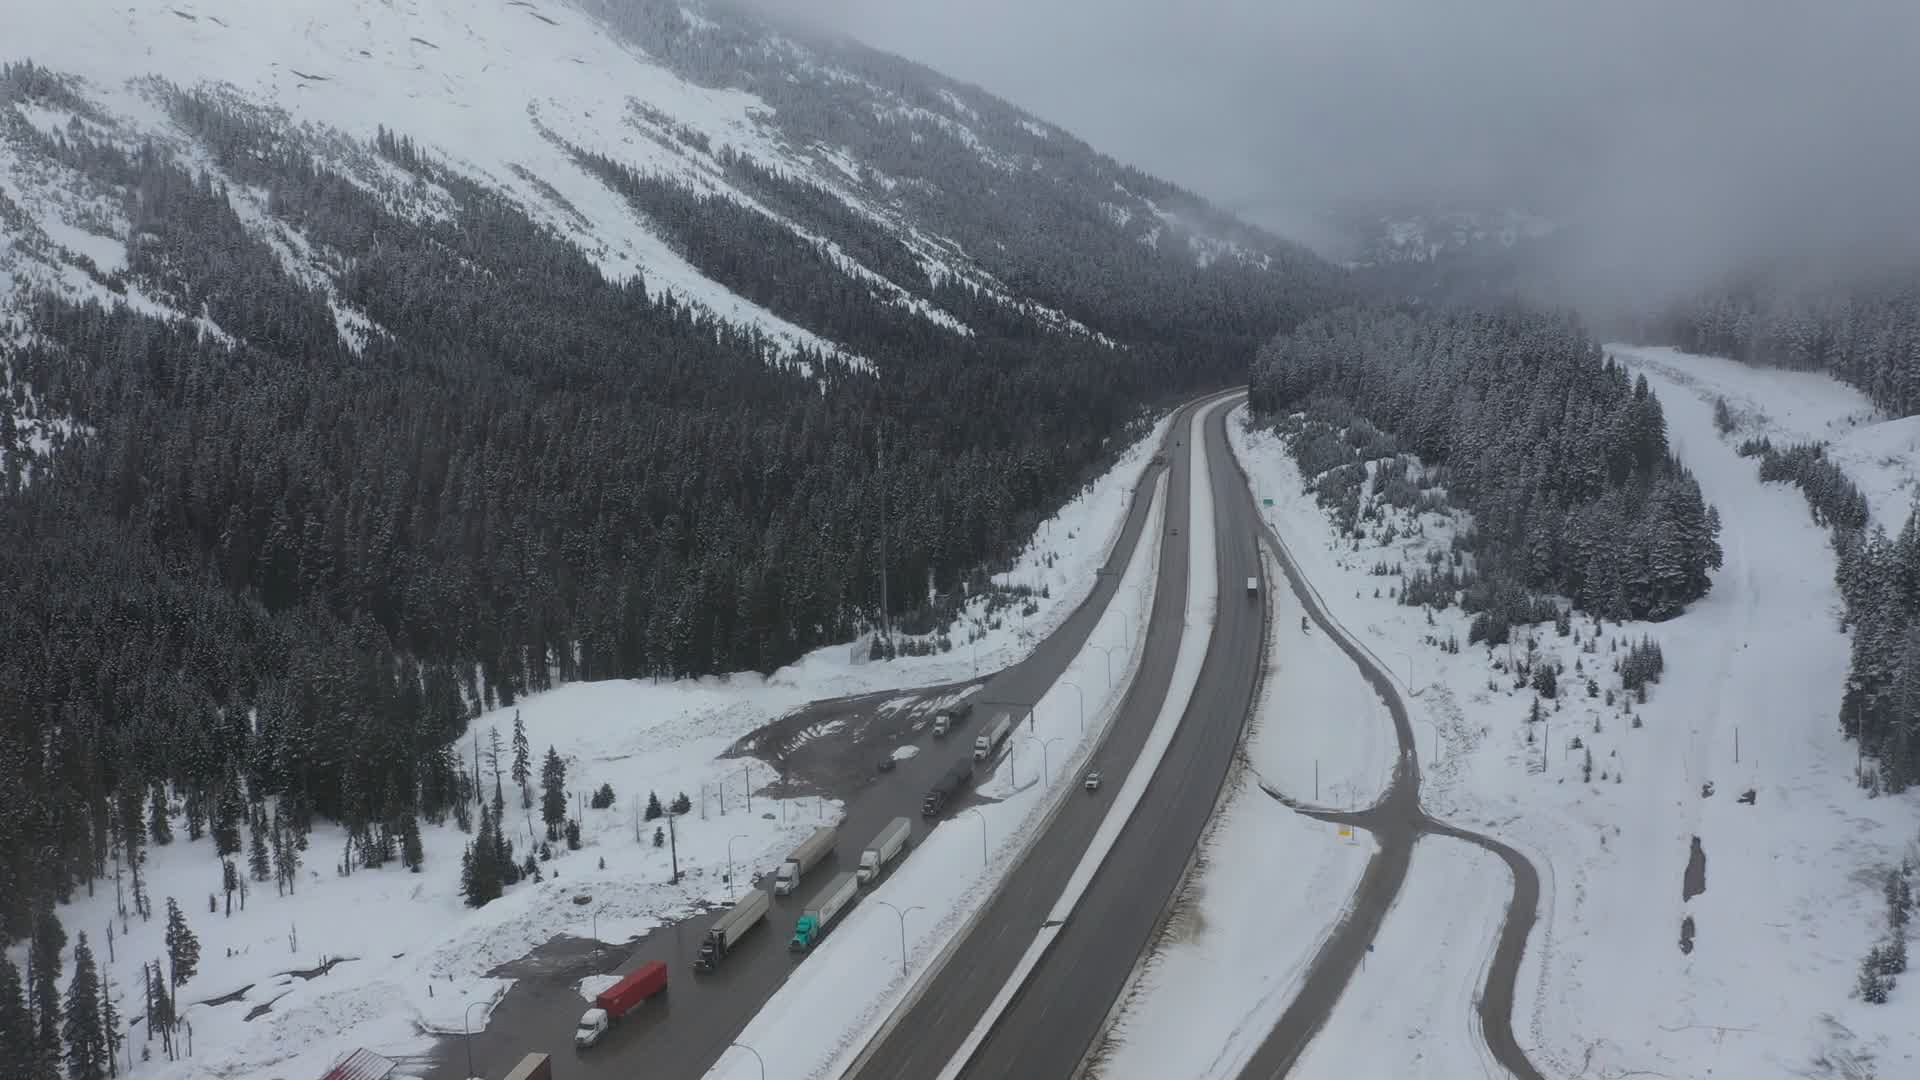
86, 1043
1872, 985
259, 863
43, 961
522, 762
160, 1013
503, 863
16, 1023
110, 1025
162, 828
412, 855
493, 756
553, 793
228, 811
183, 948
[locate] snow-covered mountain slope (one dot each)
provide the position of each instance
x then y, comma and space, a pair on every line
927, 196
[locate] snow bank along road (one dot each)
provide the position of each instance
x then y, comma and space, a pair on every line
1058, 1010
1396, 821
701, 1016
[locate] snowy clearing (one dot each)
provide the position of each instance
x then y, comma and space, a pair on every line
1753, 676
416, 956
1409, 1010
1880, 455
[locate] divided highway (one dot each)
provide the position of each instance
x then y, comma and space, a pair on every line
1053, 1020
701, 1015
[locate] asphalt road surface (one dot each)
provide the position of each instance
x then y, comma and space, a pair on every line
1051, 1022
1397, 821
683, 1035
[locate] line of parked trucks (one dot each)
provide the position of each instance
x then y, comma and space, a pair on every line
649, 980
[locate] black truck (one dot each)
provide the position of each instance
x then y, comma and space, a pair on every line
949, 788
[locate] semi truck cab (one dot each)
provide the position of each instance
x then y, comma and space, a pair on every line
593, 1024
804, 932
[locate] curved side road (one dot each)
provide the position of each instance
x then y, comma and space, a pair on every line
1396, 821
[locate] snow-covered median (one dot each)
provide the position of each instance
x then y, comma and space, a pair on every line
1409, 1010
841, 995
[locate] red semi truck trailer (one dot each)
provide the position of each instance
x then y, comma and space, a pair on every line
620, 999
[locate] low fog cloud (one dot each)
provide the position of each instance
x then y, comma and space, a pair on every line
1685, 133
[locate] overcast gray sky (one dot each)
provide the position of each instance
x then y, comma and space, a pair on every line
1703, 125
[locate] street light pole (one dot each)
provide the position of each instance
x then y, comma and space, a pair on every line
902, 916
746, 770
466, 1025
1081, 695
975, 811
730, 840
1107, 651
756, 1057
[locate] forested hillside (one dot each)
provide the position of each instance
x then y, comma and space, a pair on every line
316, 443
1517, 418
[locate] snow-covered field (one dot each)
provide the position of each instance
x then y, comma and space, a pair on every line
419, 956
1409, 1010
1606, 794
1271, 883
837, 1000
1325, 737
